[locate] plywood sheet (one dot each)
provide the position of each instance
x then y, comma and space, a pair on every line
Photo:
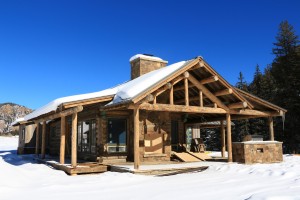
186, 157
201, 156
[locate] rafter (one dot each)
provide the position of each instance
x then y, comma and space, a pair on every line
238, 105
209, 80
223, 92
207, 93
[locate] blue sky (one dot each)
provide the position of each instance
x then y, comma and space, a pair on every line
51, 49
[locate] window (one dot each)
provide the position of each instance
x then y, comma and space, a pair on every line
23, 134
116, 137
174, 135
86, 131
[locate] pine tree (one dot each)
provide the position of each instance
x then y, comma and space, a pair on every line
256, 86
241, 127
286, 72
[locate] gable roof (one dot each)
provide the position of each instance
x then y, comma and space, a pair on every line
136, 89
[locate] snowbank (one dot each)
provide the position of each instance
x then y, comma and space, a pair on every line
23, 179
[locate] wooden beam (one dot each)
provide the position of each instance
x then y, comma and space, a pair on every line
199, 65
207, 93
223, 92
209, 80
37, 139
271, 129
67, 112
179, 108
201, 98
176, 80
186, 90
178, 73
87, 101
43, 150
171, 95
237, 105
255, 112
74, 141
167, 86
136, 124
62, 140
223, 140
229, 141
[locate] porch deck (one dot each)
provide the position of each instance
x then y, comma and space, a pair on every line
81, 168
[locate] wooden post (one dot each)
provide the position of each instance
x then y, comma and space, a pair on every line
186, 91
136, 124
43, 140
222, 138
37, 139
171, 95
62, 139
74, 141
201, 98
229, 145
271, 129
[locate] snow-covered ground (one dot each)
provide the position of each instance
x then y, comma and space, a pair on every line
23, 179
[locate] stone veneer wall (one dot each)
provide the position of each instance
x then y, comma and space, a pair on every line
257, 152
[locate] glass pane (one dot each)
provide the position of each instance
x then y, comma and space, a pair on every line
86, 136
117, 135
188, 137
79, 137
93, 136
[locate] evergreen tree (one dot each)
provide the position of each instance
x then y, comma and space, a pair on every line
256, 86
241, 127
286, 72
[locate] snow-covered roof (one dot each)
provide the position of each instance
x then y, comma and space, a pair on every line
123, 92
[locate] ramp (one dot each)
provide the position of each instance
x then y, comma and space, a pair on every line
201, 156
186, 157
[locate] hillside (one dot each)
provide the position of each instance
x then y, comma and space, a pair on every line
9, 112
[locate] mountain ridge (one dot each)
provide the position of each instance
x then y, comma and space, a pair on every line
9, 112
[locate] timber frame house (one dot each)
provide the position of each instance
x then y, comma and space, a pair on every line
146, 118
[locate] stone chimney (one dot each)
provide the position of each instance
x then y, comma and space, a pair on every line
144, 63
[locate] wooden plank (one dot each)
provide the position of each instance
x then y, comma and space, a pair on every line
223, 92
229, 141
43, 150
207, 93
136, 124
271, 129
180, 108
186, 170
209, 80
74, 141
62, 140
237, 105
200, 156
223, 140
37, 139
186, 157
186, 92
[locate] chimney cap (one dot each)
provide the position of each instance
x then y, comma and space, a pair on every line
147, 57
